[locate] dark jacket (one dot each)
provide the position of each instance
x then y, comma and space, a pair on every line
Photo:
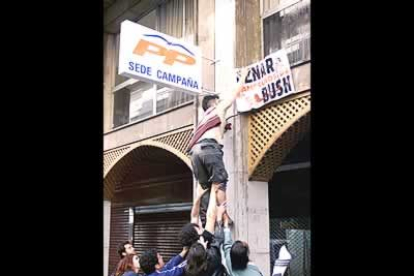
214, 265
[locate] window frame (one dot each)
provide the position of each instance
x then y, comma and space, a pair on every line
155, 90
270, 12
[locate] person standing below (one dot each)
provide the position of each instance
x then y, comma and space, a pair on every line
152, 263
124, 249
236, 255
128, 266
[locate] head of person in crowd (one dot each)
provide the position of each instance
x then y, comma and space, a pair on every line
189, 234
125, 248
129, 263
239, 255
196, 260
150, 261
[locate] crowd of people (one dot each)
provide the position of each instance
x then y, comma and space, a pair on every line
208, 249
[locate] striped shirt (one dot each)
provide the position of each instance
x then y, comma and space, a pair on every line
209, 121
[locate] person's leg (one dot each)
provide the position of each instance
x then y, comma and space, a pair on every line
220, 198
200, 189
213, 165
201, 176
221, 194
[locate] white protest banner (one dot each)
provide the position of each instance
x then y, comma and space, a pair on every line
151, 56
268, 80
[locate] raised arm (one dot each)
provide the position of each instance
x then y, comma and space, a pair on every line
228, 99
228, 243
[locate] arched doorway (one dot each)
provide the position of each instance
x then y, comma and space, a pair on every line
151, 191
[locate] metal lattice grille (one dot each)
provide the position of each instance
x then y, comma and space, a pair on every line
178, 140
275, 155
111, 156
273, 131
296, 234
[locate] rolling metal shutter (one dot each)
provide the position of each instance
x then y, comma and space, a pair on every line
119, 232
160, 231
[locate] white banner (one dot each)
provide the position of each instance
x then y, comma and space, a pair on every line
151, 56
268, 80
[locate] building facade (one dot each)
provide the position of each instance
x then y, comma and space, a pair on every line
148, 181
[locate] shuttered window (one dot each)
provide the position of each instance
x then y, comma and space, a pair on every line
160, 231
119, 233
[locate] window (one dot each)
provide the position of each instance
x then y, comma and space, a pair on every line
136, 101
150, 20
288, 28
178, 18
139, 100
121, 107
167, 98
